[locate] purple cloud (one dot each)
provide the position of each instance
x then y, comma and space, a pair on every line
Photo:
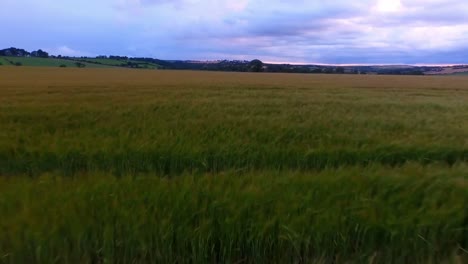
369, 31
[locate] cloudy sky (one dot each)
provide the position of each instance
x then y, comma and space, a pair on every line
295, 31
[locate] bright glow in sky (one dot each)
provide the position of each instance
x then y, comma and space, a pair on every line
334, 31
389, 5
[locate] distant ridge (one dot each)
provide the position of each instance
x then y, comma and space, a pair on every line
20, 57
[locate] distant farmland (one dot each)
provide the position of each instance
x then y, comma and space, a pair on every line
121, 63
72, 62
113, 165
44, 62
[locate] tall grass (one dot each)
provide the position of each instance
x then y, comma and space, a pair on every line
231, 168
413, 214
170, 122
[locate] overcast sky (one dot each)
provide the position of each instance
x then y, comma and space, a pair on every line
331, 31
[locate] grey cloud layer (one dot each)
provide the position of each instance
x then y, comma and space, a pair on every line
369, 31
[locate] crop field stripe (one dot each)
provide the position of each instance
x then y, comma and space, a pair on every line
167, 162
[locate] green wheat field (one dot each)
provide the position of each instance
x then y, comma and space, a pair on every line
146, 166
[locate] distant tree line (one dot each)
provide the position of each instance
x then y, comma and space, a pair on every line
254, 66
401, 72
14, 52
112, 57
222, 65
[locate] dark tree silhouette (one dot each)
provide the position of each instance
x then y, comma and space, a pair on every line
255, 66
40, 54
